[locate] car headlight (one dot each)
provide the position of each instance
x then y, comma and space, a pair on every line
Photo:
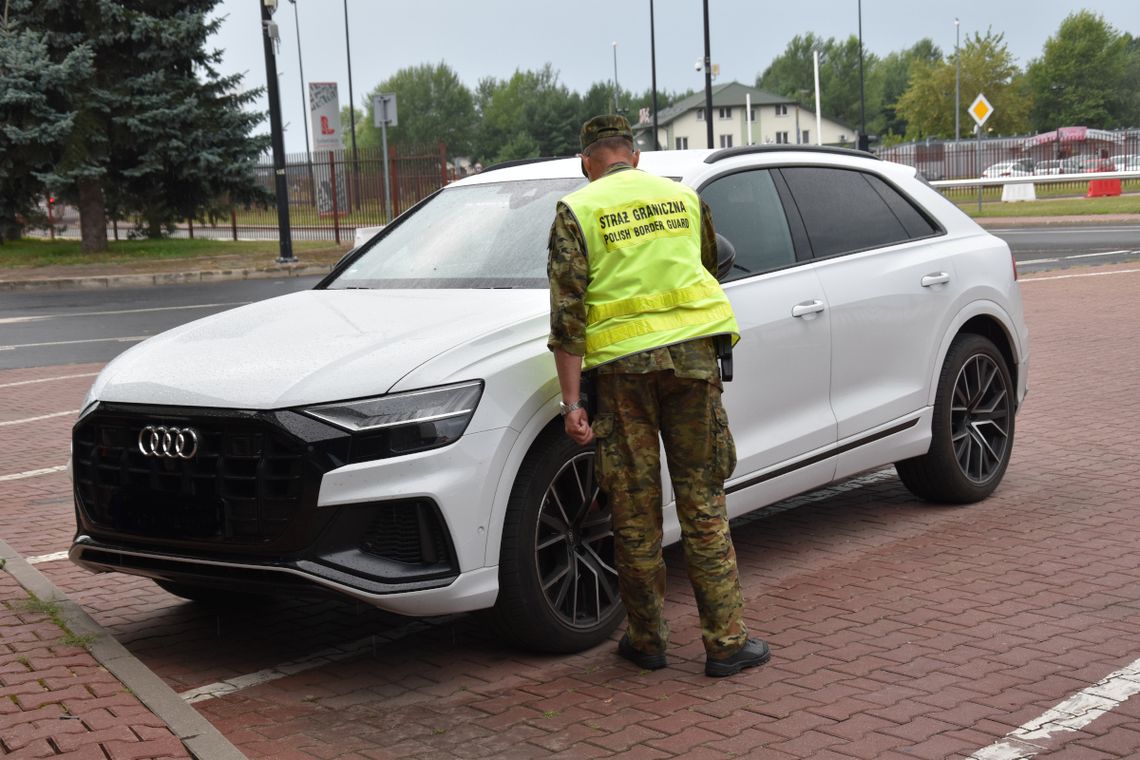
403, 423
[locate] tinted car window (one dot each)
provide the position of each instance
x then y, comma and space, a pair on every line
915, 223
746, 210
847, 210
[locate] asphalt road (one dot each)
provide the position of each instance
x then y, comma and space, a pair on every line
45, 328
1040, 248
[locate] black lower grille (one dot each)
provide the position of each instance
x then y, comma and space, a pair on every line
407, 531
244, 483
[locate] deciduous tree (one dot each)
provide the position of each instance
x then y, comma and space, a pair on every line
987, 68
1085, 76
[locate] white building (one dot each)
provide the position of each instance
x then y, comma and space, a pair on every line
741, 116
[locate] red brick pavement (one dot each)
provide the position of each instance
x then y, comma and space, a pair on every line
57, 701
899, 629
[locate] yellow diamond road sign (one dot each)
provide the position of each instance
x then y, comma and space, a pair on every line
980, 109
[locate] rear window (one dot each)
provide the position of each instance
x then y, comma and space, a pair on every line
846, 210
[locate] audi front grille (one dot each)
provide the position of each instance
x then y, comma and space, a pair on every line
225, 476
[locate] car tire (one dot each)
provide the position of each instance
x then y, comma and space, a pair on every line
972, 428
558, 589
209, 595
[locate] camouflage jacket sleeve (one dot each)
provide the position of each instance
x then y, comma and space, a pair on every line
708, 239
569, 273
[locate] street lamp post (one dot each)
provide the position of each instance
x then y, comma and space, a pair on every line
304, 103
653, 72
615, 79
708, 79
957, 83
351, 108
276, 137
864, 140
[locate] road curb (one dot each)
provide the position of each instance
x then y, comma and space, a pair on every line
140, 280
199, 736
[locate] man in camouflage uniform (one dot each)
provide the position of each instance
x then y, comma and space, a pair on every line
671, 390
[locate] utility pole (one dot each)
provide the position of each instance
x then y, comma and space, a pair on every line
615, 79
277, 138
957, 84
864, 140
351, 109
708, 79
653, 68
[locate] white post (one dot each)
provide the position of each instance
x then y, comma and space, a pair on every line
818, 107
748, 114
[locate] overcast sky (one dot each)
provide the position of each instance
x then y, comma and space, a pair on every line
496, 37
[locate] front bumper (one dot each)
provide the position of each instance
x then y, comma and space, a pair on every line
271, 506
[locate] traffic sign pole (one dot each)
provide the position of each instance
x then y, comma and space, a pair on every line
980, 110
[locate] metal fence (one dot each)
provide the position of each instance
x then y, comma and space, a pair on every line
331, 193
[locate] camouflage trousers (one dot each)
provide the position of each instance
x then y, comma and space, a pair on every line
633, 409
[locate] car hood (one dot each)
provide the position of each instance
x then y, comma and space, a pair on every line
310, 347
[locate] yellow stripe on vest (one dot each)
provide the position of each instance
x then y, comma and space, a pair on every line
653, 302
653, 323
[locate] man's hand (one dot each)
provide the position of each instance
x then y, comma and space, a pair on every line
578, 427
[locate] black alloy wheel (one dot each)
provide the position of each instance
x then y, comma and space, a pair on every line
972, 427
558, 587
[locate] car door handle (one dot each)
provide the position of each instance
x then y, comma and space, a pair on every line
935, 278
807, 307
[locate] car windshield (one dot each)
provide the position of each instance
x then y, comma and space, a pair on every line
478, 236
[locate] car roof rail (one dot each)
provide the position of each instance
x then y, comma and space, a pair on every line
744, 150
521, 162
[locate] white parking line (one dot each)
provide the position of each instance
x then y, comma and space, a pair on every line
47, 379
1071, 276
32, 473
39, 559
41, 417
1073, 714
323, 657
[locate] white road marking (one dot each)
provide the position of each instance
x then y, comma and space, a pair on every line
47, 379
54, 557
1073, 714
1090, 255
1037, 261
41, 417
32, 473
316, 660
40, 317
1071, 276
72, 342
1063, 230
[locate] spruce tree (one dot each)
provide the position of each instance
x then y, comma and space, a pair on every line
157, 132
36, 121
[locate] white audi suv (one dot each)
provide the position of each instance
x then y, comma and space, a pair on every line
393, 434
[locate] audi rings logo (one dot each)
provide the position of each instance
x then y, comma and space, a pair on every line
168, 442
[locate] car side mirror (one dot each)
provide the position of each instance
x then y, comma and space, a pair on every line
725, 256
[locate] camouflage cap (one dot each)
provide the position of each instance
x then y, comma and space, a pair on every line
601, 127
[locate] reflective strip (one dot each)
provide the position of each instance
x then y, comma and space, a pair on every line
653, 302
655, 323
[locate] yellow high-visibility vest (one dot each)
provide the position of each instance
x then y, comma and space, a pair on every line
648, 287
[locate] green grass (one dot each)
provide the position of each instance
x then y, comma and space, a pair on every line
32, 252
993, 207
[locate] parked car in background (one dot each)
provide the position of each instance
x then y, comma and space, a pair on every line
1126, 162
400, 442
1022, 167
1047, 167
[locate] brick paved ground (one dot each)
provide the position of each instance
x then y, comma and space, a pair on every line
57, 701
899, 629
